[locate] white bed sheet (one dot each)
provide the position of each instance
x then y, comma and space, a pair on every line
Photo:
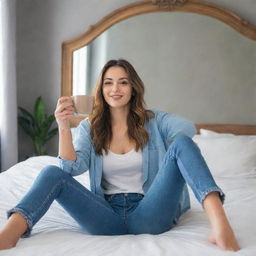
58, 234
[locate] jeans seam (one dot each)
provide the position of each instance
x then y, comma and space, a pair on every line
47, 198
124, 208
196, 189
70, 184
191, 180
125, 214
202, 195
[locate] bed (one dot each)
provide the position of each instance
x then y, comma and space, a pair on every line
232, 160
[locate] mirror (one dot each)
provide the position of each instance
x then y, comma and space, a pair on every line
188, 63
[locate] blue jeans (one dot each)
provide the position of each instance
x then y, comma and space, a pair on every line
123, 213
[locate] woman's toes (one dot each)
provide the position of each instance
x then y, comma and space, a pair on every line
211, 239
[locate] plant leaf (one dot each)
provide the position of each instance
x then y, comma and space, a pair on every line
39, 112
22, 119
38, 146
26, 126
38, 126
52, 133
26, 114
39, 141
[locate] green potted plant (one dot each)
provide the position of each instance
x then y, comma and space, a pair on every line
37, 125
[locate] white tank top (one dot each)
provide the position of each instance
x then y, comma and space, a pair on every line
122, 173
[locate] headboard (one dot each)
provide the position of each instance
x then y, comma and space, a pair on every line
237, 129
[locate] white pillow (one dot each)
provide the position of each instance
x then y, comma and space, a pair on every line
229, 155
208, 133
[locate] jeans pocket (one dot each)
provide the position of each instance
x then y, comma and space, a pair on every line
135, 198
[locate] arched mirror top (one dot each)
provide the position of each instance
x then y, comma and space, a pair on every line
142, 7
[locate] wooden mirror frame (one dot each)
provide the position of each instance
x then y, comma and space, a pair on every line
149, 6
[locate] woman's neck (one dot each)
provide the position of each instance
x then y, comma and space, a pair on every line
119, 117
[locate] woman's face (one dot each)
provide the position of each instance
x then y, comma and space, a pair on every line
117, 89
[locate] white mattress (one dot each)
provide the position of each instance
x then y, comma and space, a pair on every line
57, 234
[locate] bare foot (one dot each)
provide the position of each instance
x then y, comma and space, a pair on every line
225, 239
5, 243
222, 234
211, 239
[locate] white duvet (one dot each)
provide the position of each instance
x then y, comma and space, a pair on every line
58, 234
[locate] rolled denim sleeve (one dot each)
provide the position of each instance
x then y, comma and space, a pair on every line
170, 125
83, 145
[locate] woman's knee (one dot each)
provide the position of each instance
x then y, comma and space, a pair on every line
52, 172
180, 143
182, 138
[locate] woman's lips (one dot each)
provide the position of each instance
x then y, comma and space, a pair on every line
116, 97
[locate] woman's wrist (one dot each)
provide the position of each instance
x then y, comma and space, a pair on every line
64, 129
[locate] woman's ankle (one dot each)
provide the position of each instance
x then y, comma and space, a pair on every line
13, 230
6, 242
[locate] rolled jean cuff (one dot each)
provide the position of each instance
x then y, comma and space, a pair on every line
214, 189
25, 216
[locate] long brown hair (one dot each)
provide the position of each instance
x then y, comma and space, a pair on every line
101, 129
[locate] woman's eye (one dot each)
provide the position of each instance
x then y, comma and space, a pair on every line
122, 83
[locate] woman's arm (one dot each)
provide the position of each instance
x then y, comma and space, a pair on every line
63, 114
66, 148
74, 155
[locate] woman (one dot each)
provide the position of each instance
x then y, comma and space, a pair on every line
139, 162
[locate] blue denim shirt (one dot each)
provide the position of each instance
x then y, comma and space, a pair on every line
161, 129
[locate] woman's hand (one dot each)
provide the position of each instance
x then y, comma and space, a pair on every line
64, 112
